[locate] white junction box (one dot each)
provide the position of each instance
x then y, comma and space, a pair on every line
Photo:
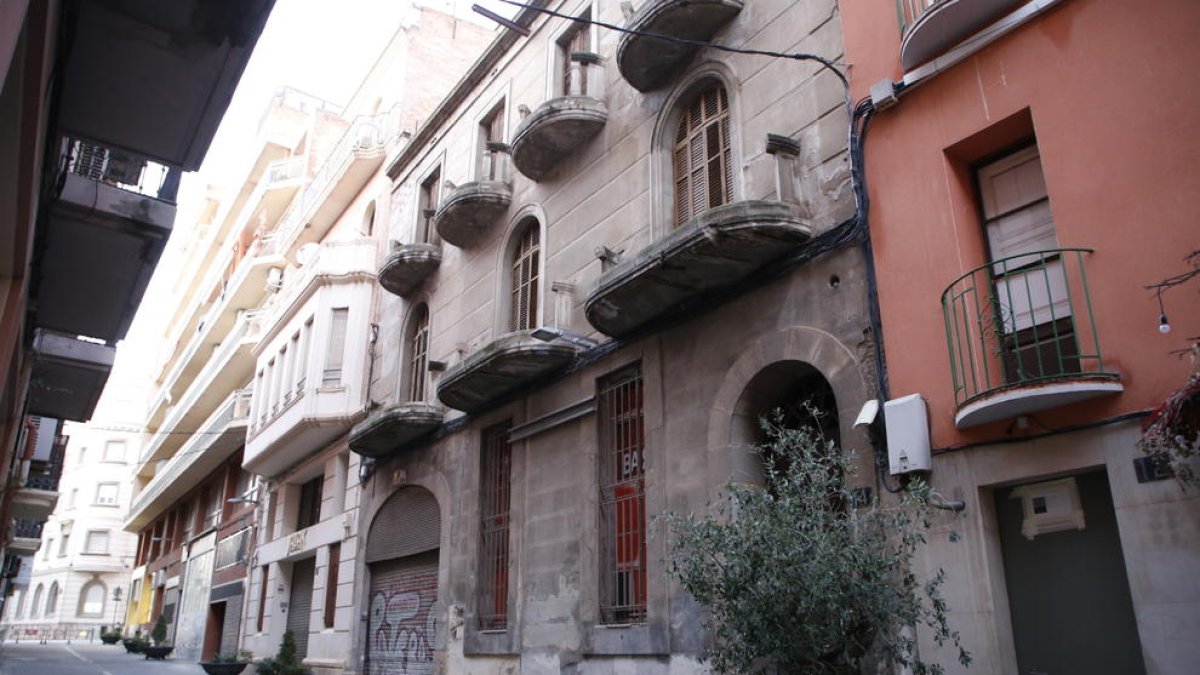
907, 420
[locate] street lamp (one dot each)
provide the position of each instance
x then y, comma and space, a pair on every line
117, 607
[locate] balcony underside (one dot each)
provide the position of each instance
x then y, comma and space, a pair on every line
33, 504
499, 368
173, 483
101, 245
155, 78
346, 184
556, 129
394, 427
407, 266
68, 376
24, 545
946, 24
1009, 402
470, 211
648, 63
714, 251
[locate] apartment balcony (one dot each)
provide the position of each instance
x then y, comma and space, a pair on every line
312, 359
931, 27
710, 253
342, 176
229, 367
561, 126
648, 63
68, 375
501, 367
407, 266
38, 494
214, 441
26, 536
237, 282
1022, 337
394, 427
104, 235
470, 210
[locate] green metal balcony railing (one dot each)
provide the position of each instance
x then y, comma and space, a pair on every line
1021, 320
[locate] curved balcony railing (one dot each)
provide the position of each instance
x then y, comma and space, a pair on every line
1021, 321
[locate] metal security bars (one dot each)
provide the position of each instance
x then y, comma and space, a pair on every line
1020, 320
495, 501
622, 529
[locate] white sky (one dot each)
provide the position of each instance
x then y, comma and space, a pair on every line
321, 47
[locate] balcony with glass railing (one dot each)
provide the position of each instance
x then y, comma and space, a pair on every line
349, 165
560, 126
931, 27
1022, 337
215, 440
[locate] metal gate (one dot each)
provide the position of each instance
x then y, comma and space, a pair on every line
300, 603
403, 623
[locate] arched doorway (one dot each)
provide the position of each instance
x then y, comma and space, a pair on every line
792, 387
404, 619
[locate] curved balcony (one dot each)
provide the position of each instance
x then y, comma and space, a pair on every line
1022, 337
711, 252
556, 129
499, 368
931, 27
407, 266
394, 427
471, 210
647, 62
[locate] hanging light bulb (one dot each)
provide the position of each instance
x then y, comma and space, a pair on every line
1163, 326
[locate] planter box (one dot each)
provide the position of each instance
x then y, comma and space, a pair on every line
157, 652
225, 668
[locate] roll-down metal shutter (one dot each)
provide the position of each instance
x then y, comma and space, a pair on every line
300, 603
409, 523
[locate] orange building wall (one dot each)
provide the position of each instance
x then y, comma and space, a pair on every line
1112, 91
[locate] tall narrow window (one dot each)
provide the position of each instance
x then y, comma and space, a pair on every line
427, 205
331, 582
577, 40
368, 226
96, 542
336, 353
703, 165
418, 351
302, 355
52, 599
495, 501
491, 136
310, 503
622, 498
262, 598
114, 451
524, 279
1031, 299
107, 494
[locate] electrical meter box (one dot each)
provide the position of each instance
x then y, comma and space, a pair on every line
907, 420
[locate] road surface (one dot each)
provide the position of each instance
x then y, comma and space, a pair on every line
83, 658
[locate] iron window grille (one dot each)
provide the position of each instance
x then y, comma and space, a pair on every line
494, 517
524, 280
703, 162
622, 498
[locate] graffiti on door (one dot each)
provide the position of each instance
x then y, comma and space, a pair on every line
403, 623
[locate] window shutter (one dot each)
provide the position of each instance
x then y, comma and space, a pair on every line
336, 352
703, 161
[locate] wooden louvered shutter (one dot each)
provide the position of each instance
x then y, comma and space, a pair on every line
524, 280
703, 158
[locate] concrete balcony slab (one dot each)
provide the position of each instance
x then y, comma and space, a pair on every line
408, 266
647, 62
392, 428
470, 211
554, 131
504, 365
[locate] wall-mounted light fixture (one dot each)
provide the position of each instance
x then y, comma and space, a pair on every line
549, 334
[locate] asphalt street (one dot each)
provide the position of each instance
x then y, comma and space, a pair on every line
83, 658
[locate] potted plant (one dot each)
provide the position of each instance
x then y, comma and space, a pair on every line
158, 651
110, 637
285, 662
135, 644
230, 663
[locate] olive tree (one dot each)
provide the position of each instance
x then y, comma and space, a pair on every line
798, 576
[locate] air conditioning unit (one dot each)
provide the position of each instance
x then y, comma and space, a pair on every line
274, 279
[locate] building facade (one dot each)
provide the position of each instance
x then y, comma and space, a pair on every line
1027, 184
95, 130
610, 256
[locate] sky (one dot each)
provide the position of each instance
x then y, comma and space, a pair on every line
321, 47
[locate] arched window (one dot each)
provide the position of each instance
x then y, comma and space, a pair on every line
368, 225
37, 601
52, 600
91, 599
523, 279
418, 354
703, 162
20, 609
